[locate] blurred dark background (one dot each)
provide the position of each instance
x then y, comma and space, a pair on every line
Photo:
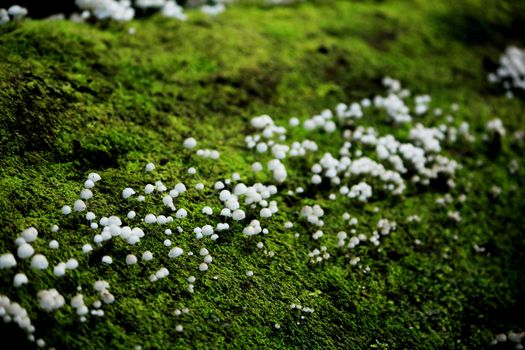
46, 8
42, 9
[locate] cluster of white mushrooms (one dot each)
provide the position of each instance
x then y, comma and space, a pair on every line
14, 12
511, 72
511, 337
367, 163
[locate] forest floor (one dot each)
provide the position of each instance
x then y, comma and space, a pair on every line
81, 98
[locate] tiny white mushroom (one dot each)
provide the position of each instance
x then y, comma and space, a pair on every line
79, 205
150, 167
175, 252
147, 255
127, 192
20, 279
86, 194
131, 259
72, 264
30, 234
25, 251
189, 143
203, 267
181, 213
39, 262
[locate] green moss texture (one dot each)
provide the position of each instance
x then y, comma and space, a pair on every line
77, 98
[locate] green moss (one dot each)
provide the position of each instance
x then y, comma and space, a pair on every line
76, 98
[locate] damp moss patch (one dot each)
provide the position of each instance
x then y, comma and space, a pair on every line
78, 98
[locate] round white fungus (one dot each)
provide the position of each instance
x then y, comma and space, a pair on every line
149, 188
86, 248
147, 255
29, 234
50, 300
53, 244
100, 286
86, 194
94, 177
107, 297
66, 210
175, 252
224, 195
106, 259
150, 167
256, 167
79, 205
168, 201
161, 219
20, 279
190, 143
181, 213
72, 264
60, 269
265, 213
293, 121
39, 262
25, 251
238, 215
131, 259
180, 187
77, 301
150, 219
203, 267
207, 230
127, 192
7, 261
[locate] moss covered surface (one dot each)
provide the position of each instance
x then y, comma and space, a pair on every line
76, 98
